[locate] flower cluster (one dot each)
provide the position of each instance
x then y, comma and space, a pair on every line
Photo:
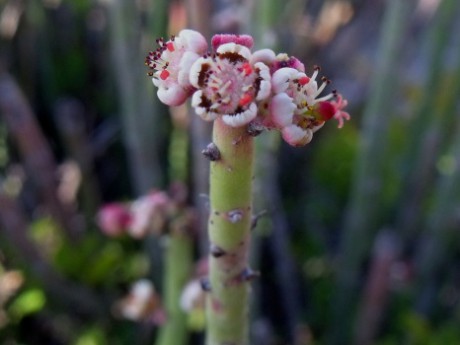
243, 87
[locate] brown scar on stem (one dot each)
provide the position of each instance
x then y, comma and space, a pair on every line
216, 251
212, 152
234, 216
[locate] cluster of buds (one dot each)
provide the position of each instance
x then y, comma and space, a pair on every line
244, 88
149, 214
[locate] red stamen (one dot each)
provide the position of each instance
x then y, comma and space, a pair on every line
304, 80
164, 75
170, 46
247, 69
245, 99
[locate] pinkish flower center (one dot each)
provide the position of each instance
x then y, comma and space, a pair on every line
229, 83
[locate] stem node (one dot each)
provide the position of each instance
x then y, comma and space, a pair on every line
234, 216
217, 251
212, 152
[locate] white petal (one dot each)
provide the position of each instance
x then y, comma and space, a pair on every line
265, 85
194, 41
266, 56
172, 96
241, 119
196, 98
235, 48
157, 81
196, 68
183, 77
282, 77
190, 295
296, 136
202, 112
282, 110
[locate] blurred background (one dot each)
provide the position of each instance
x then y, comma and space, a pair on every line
359, 243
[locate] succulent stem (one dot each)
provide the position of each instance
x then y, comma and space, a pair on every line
229, 230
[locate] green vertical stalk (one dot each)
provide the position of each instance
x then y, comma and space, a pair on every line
177, 269
361, 219
229, 234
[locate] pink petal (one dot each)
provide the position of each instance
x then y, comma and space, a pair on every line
281, 78
172, 96
194, 41
267, 56
282, 110
244, 40
296, 136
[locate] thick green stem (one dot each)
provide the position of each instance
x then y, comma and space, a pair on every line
229, 234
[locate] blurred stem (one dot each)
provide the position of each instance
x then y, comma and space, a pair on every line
229, 233
178, 262
440, 231
140, 112
377, 289
425, 131
364, 206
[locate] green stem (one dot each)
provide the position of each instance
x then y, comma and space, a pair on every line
229, 234
177, 271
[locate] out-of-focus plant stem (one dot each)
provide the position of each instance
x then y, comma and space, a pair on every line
425, 131
363, 209
38, 158
440, 230
141, 113
178, 262
227, 304
376, 290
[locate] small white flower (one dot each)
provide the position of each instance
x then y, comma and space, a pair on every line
170, 65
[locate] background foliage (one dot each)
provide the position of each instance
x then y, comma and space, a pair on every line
360, 244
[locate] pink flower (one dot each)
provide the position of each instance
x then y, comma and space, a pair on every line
229, 85
276, 62
339, 114
149, 214
244, 40
297, 108
113, 219
170, 65
142, 303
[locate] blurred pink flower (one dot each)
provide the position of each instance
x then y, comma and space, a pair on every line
113, 219
149, 214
